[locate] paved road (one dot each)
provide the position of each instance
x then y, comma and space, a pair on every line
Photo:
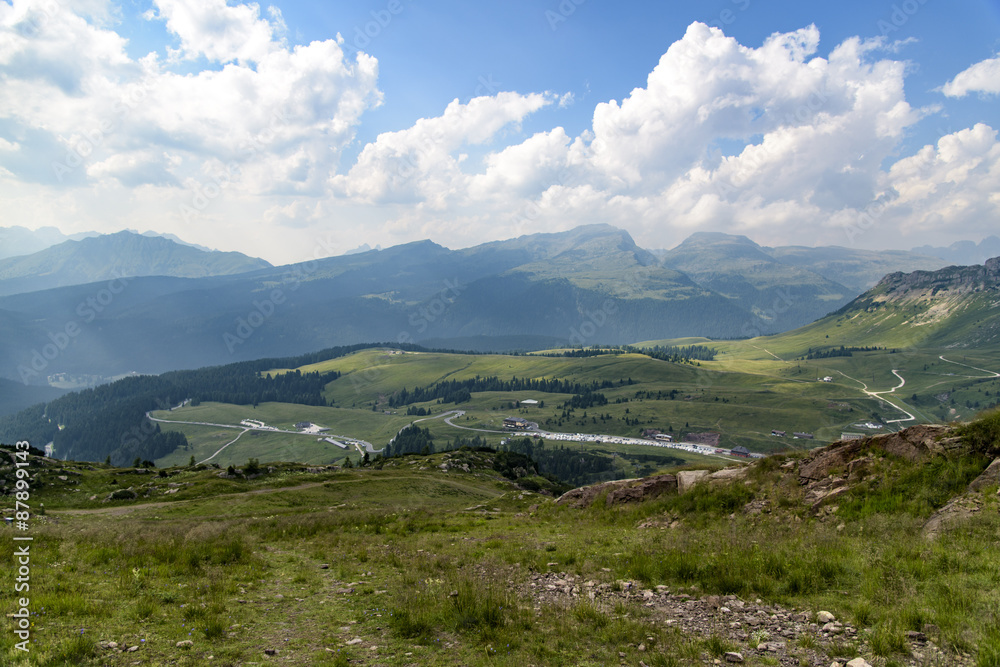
992, 374
358, 443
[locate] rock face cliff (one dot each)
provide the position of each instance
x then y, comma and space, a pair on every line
952, 279
954, 307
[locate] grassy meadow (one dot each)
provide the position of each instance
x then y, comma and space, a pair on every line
750, 389
414, 565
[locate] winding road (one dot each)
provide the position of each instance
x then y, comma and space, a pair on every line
902, 383
354, 441
878, 395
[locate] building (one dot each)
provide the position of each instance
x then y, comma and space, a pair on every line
851, 436
780, 434
665, 437
740, 450
303, 424
515, 423
828, 379
804, 436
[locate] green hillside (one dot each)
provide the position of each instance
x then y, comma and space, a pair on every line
442, 560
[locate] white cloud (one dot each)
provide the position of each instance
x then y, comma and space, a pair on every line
951, 185
77, 101
783, 141
420, 163
983, 77
220, 32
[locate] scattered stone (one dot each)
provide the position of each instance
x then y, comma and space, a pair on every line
271, 651
355, 641
858, 662
324, 566
184, 644
132, 649
732, 656
825, 617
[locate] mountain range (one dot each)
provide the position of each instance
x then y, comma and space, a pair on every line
124, 254
127, 302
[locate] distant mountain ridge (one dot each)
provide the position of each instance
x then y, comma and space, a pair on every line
589, 285
964, 252
16, 241
110, 256
957, 307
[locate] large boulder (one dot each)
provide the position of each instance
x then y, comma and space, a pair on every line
990, 477
620, 491
911, 444
686, 479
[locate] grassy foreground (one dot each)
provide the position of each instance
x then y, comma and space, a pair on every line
416, 565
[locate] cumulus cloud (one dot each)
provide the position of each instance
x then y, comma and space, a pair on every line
983, 77
220, 32
784, 141
277, 116
813, 133
420, 163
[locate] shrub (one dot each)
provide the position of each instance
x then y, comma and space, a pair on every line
983, 435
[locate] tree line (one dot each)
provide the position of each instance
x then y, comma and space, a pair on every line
458, 391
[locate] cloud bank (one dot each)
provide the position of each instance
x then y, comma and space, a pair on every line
232, 128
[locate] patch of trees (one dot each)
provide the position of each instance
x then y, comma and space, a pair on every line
841, 351
456, 391
678, 354
569, 465
411, 440
587, 399
672, 353
110, 420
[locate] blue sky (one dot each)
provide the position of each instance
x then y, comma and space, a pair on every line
300, 129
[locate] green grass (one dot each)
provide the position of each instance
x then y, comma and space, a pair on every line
752, 388
433, 567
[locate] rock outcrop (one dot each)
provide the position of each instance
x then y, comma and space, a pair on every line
620, 491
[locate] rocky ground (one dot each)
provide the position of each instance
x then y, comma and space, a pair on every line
792, 637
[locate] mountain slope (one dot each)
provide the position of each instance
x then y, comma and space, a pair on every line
734, 266
16, 241
115, 255
954, 307
854, 268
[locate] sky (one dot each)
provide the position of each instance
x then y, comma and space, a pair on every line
296, 130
